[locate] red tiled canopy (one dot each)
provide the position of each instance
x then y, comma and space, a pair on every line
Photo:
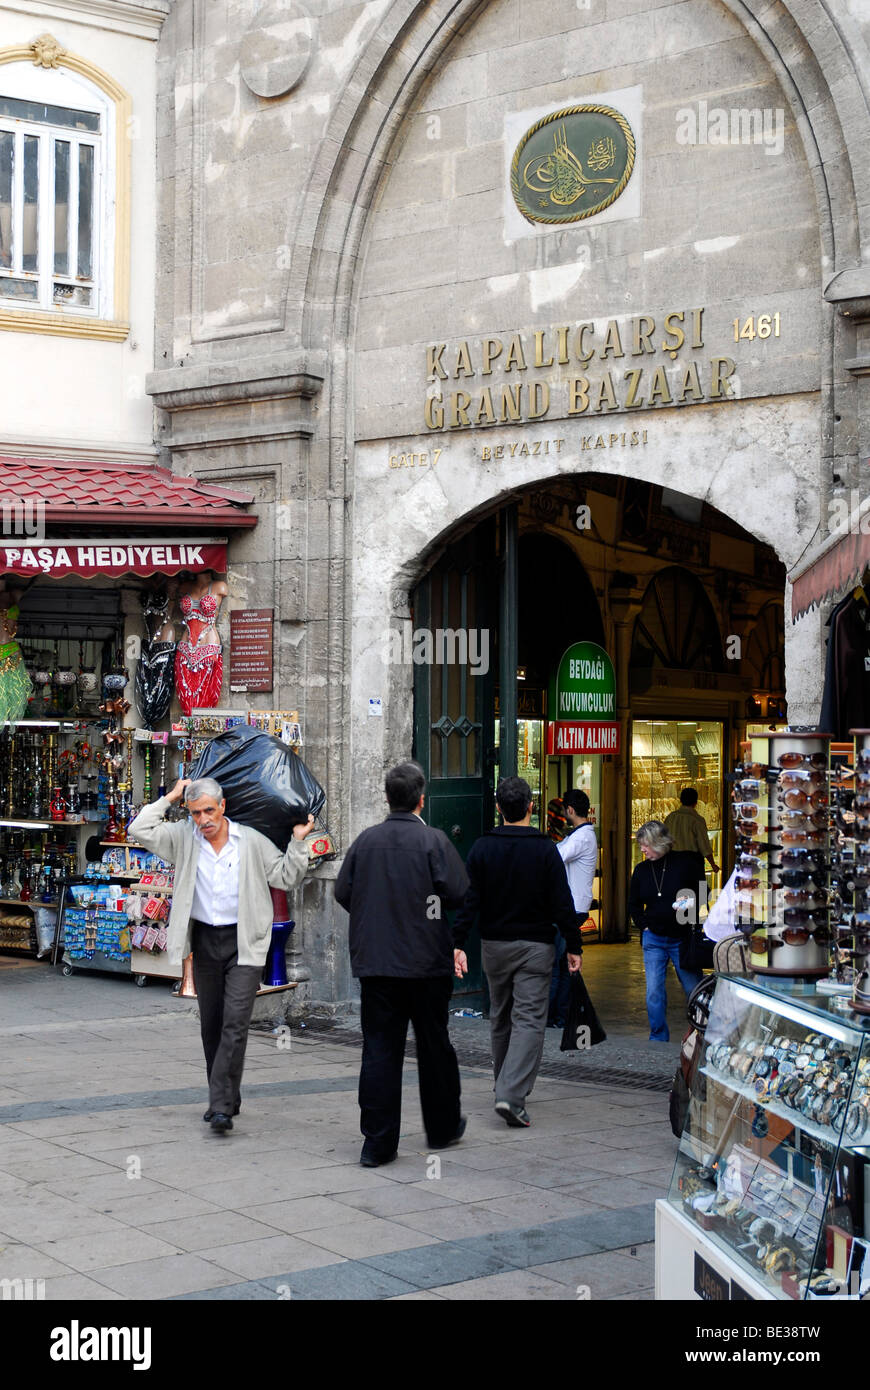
109, 494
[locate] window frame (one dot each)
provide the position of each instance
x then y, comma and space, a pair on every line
74, 83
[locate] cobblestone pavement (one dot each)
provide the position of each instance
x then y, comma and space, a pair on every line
111, 1187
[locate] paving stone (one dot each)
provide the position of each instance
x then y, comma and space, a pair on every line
254, 1259
109, 1248
161, 1278
368, 1236
348, 1280
433, 1265
74, 1288
303, 1214
396, 1199
520, 1285
198, 1232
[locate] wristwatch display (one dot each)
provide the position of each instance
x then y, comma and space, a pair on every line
770, 1164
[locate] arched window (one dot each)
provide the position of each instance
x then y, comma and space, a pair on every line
64, 196
676, 627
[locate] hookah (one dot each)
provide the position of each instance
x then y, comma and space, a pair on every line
36, 791
10, 776
110, 830
146, 792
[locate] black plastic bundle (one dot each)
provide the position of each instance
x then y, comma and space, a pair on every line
266, 784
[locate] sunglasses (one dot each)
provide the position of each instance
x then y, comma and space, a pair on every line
803, 897
754, 769
798, 858
802, 759
801, 917
747, 882
794, 878
803, 837
802, 820
747, 786
863, 759
852, 878
796, 800
799, 936
746, 845
803, 778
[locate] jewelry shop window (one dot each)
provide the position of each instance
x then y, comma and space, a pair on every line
57, 196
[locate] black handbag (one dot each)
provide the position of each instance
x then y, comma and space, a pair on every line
696, 950
581, 1014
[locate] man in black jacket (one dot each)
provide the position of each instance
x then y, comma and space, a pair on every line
519, 889
398, 881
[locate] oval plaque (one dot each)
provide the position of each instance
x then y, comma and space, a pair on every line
276, 51
572, 164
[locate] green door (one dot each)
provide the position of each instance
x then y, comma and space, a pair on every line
453, 707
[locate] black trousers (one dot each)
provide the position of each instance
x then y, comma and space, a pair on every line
389, 1004
225, 991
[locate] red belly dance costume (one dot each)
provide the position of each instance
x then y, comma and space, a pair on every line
198, 670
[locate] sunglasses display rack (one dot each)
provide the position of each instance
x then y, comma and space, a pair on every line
780, 806
853, 869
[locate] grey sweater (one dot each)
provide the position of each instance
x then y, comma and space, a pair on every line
261, 864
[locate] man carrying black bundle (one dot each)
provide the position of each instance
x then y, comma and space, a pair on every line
398, 881
519, 888
222, 912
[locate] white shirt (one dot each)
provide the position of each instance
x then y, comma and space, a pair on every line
216, 895
579, 852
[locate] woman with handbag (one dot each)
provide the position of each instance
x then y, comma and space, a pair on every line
656, 884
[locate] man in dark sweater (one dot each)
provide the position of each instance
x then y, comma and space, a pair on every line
518, 890
398, 881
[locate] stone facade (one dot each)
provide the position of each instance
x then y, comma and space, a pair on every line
332, 203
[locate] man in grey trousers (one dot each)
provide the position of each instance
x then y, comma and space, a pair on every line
222, 912
518, 890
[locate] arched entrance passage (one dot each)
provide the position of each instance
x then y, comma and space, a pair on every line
685, 639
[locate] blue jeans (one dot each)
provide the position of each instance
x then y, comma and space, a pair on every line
657, 951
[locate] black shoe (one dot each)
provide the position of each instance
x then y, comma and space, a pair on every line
369, 1157
220, 1123
460, 1130
210, 1114
514, 1115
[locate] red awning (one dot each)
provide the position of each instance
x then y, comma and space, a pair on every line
59, 559
835, 565
40, 493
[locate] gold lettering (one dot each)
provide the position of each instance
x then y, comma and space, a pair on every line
558, 443
578, 396
690, 383
612, 341
434, 366
579, 351
539, 400
394, 462
659, 388
492, 348
642, 336
634, 438
633, 376
511, 403
605, 389
515, 355
485, 412
672, 326
697, 334
613, 439
459, 403
513, 448
436, 456
586, 443
524, 451
536, 448
722, 368
463, 361
486, 453
434, 412
599, 442
539, 350
498, 451
564, 359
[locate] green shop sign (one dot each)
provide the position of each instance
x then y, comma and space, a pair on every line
585, 684
572, 164
582, 713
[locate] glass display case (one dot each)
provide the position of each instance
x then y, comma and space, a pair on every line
530, 764
770, 1172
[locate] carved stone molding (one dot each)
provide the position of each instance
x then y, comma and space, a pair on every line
47, 52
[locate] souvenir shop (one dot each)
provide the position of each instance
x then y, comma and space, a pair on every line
113, 664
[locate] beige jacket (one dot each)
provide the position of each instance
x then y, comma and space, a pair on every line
260, 864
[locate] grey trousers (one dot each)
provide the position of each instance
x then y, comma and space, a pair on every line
225, 991
519, 975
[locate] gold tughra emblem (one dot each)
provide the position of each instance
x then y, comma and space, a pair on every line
581, 152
